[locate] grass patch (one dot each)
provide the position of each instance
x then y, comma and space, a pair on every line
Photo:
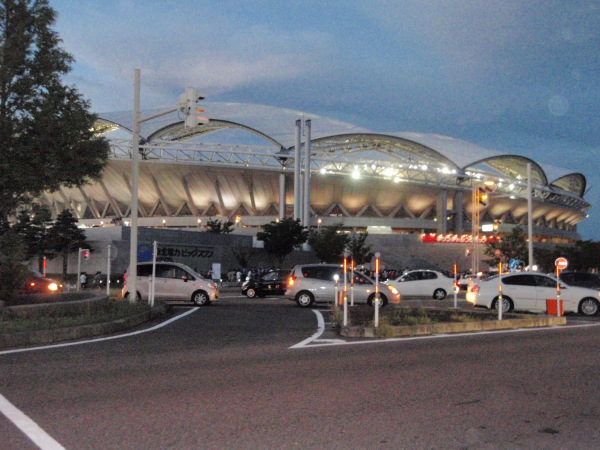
113, 311
362, 315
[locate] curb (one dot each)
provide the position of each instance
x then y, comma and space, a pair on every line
448, 328
43, 337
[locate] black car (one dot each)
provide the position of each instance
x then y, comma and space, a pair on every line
273, 283
582, 279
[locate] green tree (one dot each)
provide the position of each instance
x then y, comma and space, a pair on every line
13, 272
64, 237
360, 252
218, 227
281, 238
328, 243
512, 246
32, 226
45, 128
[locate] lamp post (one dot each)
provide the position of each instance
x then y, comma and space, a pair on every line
192, 97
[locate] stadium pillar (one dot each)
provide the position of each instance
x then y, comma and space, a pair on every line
442, 212
281, 196
306, 199
530, 218
459, 225
297, 179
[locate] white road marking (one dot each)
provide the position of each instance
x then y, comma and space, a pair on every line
107, 338
314, 341
31, 429
28, 426
320, 330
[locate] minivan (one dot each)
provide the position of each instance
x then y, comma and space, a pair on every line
314, 283
174, 282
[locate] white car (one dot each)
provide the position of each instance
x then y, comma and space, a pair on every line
174, 282
424, 283
529, 291
310, 283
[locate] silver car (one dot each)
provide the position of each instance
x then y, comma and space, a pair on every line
316, 283
174, 282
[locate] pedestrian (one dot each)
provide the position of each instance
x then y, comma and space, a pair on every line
83, 280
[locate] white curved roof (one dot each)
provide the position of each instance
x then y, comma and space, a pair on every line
279, 125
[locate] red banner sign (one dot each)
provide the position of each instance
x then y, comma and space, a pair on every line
433, 238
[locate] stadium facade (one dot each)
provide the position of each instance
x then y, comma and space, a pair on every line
240, 166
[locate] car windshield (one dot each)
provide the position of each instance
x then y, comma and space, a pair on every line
271, 276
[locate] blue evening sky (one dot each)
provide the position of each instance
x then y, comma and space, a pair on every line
515, 76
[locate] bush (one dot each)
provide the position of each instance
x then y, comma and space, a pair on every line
13, 273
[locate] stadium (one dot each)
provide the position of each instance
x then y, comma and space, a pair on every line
248, 165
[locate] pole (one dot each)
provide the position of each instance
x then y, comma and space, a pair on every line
500, 299
306, 199
376, 303
153, 278
455, 287
108, 271
78, 269
530, 217
345, 295
352, 283
297, 179
557, 292
135, 148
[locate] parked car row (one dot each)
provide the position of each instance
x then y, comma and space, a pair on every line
529, 291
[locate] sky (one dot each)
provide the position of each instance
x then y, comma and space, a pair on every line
516, 76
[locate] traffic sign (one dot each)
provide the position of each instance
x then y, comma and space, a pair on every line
561, 263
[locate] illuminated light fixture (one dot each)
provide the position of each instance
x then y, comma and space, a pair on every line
323, 171
424, 167
356, 174
396, 179
388, 171
373, 166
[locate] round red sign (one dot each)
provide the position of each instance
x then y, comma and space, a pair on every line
561, 263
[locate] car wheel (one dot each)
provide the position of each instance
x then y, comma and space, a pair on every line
139, 297
507, 304
200, 298
588, 307
382, 299
439, 294
304, 299
250, 293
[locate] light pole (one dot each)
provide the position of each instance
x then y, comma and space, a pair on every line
187, 100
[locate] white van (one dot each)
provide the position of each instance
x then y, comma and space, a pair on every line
174, 282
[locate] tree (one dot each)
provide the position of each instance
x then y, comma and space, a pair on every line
328, 243
218, 227
32, 226
65, 237
282, 237
360, 252
45, 128
512, 246
13, 273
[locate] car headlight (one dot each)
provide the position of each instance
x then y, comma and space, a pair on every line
53, 287
392, 289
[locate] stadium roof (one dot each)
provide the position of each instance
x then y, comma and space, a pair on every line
277, 126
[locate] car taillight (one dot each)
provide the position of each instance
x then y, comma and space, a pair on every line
475, 288
291, 280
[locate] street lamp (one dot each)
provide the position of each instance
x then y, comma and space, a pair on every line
187, 103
